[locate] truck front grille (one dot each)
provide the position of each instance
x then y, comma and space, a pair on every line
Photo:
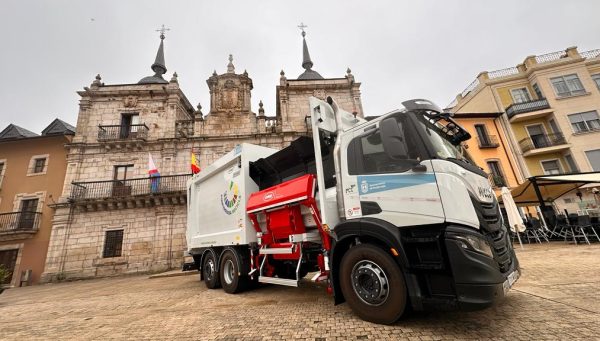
491, 226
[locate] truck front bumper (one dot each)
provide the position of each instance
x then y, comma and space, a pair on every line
478, 281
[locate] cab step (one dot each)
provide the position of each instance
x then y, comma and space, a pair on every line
278, 281
277, 251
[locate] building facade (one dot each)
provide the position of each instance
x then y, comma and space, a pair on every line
551, 106
32, 172
489, 148
113, 218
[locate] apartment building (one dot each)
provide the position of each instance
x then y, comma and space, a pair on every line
489, 148
551, 106
32, 172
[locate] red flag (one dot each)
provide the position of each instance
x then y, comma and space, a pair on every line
195, 166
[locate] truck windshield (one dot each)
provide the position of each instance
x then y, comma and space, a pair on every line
444, 143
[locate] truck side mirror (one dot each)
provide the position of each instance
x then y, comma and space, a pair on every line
393, 139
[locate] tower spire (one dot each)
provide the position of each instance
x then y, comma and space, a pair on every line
159, 66
307, 63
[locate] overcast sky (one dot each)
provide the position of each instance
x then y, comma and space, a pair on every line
397, 49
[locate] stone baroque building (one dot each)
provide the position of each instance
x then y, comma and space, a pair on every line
114, 219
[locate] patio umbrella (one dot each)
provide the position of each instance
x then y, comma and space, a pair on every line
514, 218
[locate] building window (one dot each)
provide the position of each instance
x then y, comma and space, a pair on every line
551, 167
537, 91
497, 178
121, 187
28, 214
39, 165
596, 79
520, 95
130, 124
568, 85
571, 162
585, 121
594, 158
113, 244
538, 136
553, 126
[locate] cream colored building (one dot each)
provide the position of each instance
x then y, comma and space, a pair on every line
551, 106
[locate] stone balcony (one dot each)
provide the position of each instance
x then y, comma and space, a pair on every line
542, 144
488, 141
19, 225
120, 137
130, 193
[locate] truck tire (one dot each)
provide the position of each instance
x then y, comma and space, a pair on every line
373, 284
231, 280
209, 271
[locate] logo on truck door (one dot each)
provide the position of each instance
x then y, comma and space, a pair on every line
230, 199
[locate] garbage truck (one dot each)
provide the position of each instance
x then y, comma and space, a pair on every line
391, 214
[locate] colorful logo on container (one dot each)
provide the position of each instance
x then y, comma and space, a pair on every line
230, 199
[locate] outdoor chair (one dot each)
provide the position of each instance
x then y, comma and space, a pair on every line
586, 225
533, 230
574, 230
560, 226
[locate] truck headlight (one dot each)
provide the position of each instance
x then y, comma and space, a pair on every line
477, 244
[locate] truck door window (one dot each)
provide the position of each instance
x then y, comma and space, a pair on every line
367, 156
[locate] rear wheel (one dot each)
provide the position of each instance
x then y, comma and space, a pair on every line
209, 271
231, 278
373, 284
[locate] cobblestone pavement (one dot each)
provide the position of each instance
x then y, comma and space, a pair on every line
558, 297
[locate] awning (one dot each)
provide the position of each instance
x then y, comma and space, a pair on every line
551, 187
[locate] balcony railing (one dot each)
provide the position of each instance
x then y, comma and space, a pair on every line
519, 108
488, 141
20, 221
128, 188
119, 132
542, 141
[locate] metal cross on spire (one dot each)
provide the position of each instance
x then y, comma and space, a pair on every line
302, 27
162, 31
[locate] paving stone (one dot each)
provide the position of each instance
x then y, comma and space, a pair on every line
556, 298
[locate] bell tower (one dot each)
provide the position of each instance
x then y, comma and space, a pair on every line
230, 92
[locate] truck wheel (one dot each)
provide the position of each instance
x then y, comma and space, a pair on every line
373, 284
230, 274
209, 271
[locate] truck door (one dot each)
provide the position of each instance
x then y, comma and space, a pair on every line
401, 189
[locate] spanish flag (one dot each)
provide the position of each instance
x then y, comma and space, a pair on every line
195, 166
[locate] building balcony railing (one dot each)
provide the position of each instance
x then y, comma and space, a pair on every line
542, 141
524, 107
17, 222
488, 141
129, 188
119, 132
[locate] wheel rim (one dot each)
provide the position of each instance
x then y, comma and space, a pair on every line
370, 283
228, 271
209, 269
